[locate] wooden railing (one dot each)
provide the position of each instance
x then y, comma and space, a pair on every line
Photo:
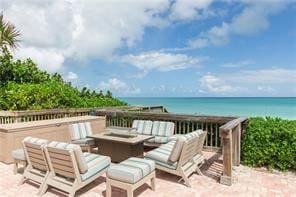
231, 133
223, 133
8, 117
183, 123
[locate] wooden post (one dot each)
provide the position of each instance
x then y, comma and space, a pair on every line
226, 136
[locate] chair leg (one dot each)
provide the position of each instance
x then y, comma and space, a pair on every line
153, 183
23, 179
108, 189
198, 171
43, 188
185, 178
88, 148
44, 185
130, 192
72, 193
15, 167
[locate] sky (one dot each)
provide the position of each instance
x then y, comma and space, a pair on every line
180, 48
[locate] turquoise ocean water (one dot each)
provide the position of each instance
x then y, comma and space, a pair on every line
273, 106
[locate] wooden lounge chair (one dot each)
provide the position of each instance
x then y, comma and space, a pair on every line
177, 156
79, 133
70, 169
37, 168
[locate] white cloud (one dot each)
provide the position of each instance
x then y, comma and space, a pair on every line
265, 88
251, 82
253, 19
81, 29
237, 64
71, 76
118, 86
48, 59
189, 9
161, 61
263, 76
214, 84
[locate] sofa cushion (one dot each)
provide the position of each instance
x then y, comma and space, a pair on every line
36, 141
95, 164
74, 131
143, 126
84, 141
80, 130
131, 170
159, 140
177, 149
19, 154
180, 139
163, 128
161, 153
82, 165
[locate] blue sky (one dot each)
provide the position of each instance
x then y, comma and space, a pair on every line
161, 47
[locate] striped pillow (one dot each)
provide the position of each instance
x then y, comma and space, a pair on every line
162, 128
142, 126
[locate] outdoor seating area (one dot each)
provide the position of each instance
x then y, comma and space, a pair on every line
116, 160
64, 166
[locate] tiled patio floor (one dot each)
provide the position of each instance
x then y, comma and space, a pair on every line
249, 182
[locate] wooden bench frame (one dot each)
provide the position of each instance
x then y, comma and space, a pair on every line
128, 186
186, 164
36, 160
68, 168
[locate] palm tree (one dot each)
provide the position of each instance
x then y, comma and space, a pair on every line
9, 35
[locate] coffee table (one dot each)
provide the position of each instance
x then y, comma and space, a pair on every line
120, 147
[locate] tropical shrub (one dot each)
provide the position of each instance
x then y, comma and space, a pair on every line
24, 86
270, 142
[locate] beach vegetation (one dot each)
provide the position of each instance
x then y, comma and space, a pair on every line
270, 142
23, 86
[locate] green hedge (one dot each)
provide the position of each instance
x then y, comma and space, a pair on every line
23, 86
270, 142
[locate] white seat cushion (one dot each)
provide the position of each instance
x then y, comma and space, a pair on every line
19, 154
95, 164
84, 141
143, 126
161, 153
131, 170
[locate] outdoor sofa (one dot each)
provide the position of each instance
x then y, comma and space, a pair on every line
181, 156
161, 130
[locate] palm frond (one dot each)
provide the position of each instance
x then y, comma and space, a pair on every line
9, 35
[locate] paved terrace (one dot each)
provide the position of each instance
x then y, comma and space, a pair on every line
249, 182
